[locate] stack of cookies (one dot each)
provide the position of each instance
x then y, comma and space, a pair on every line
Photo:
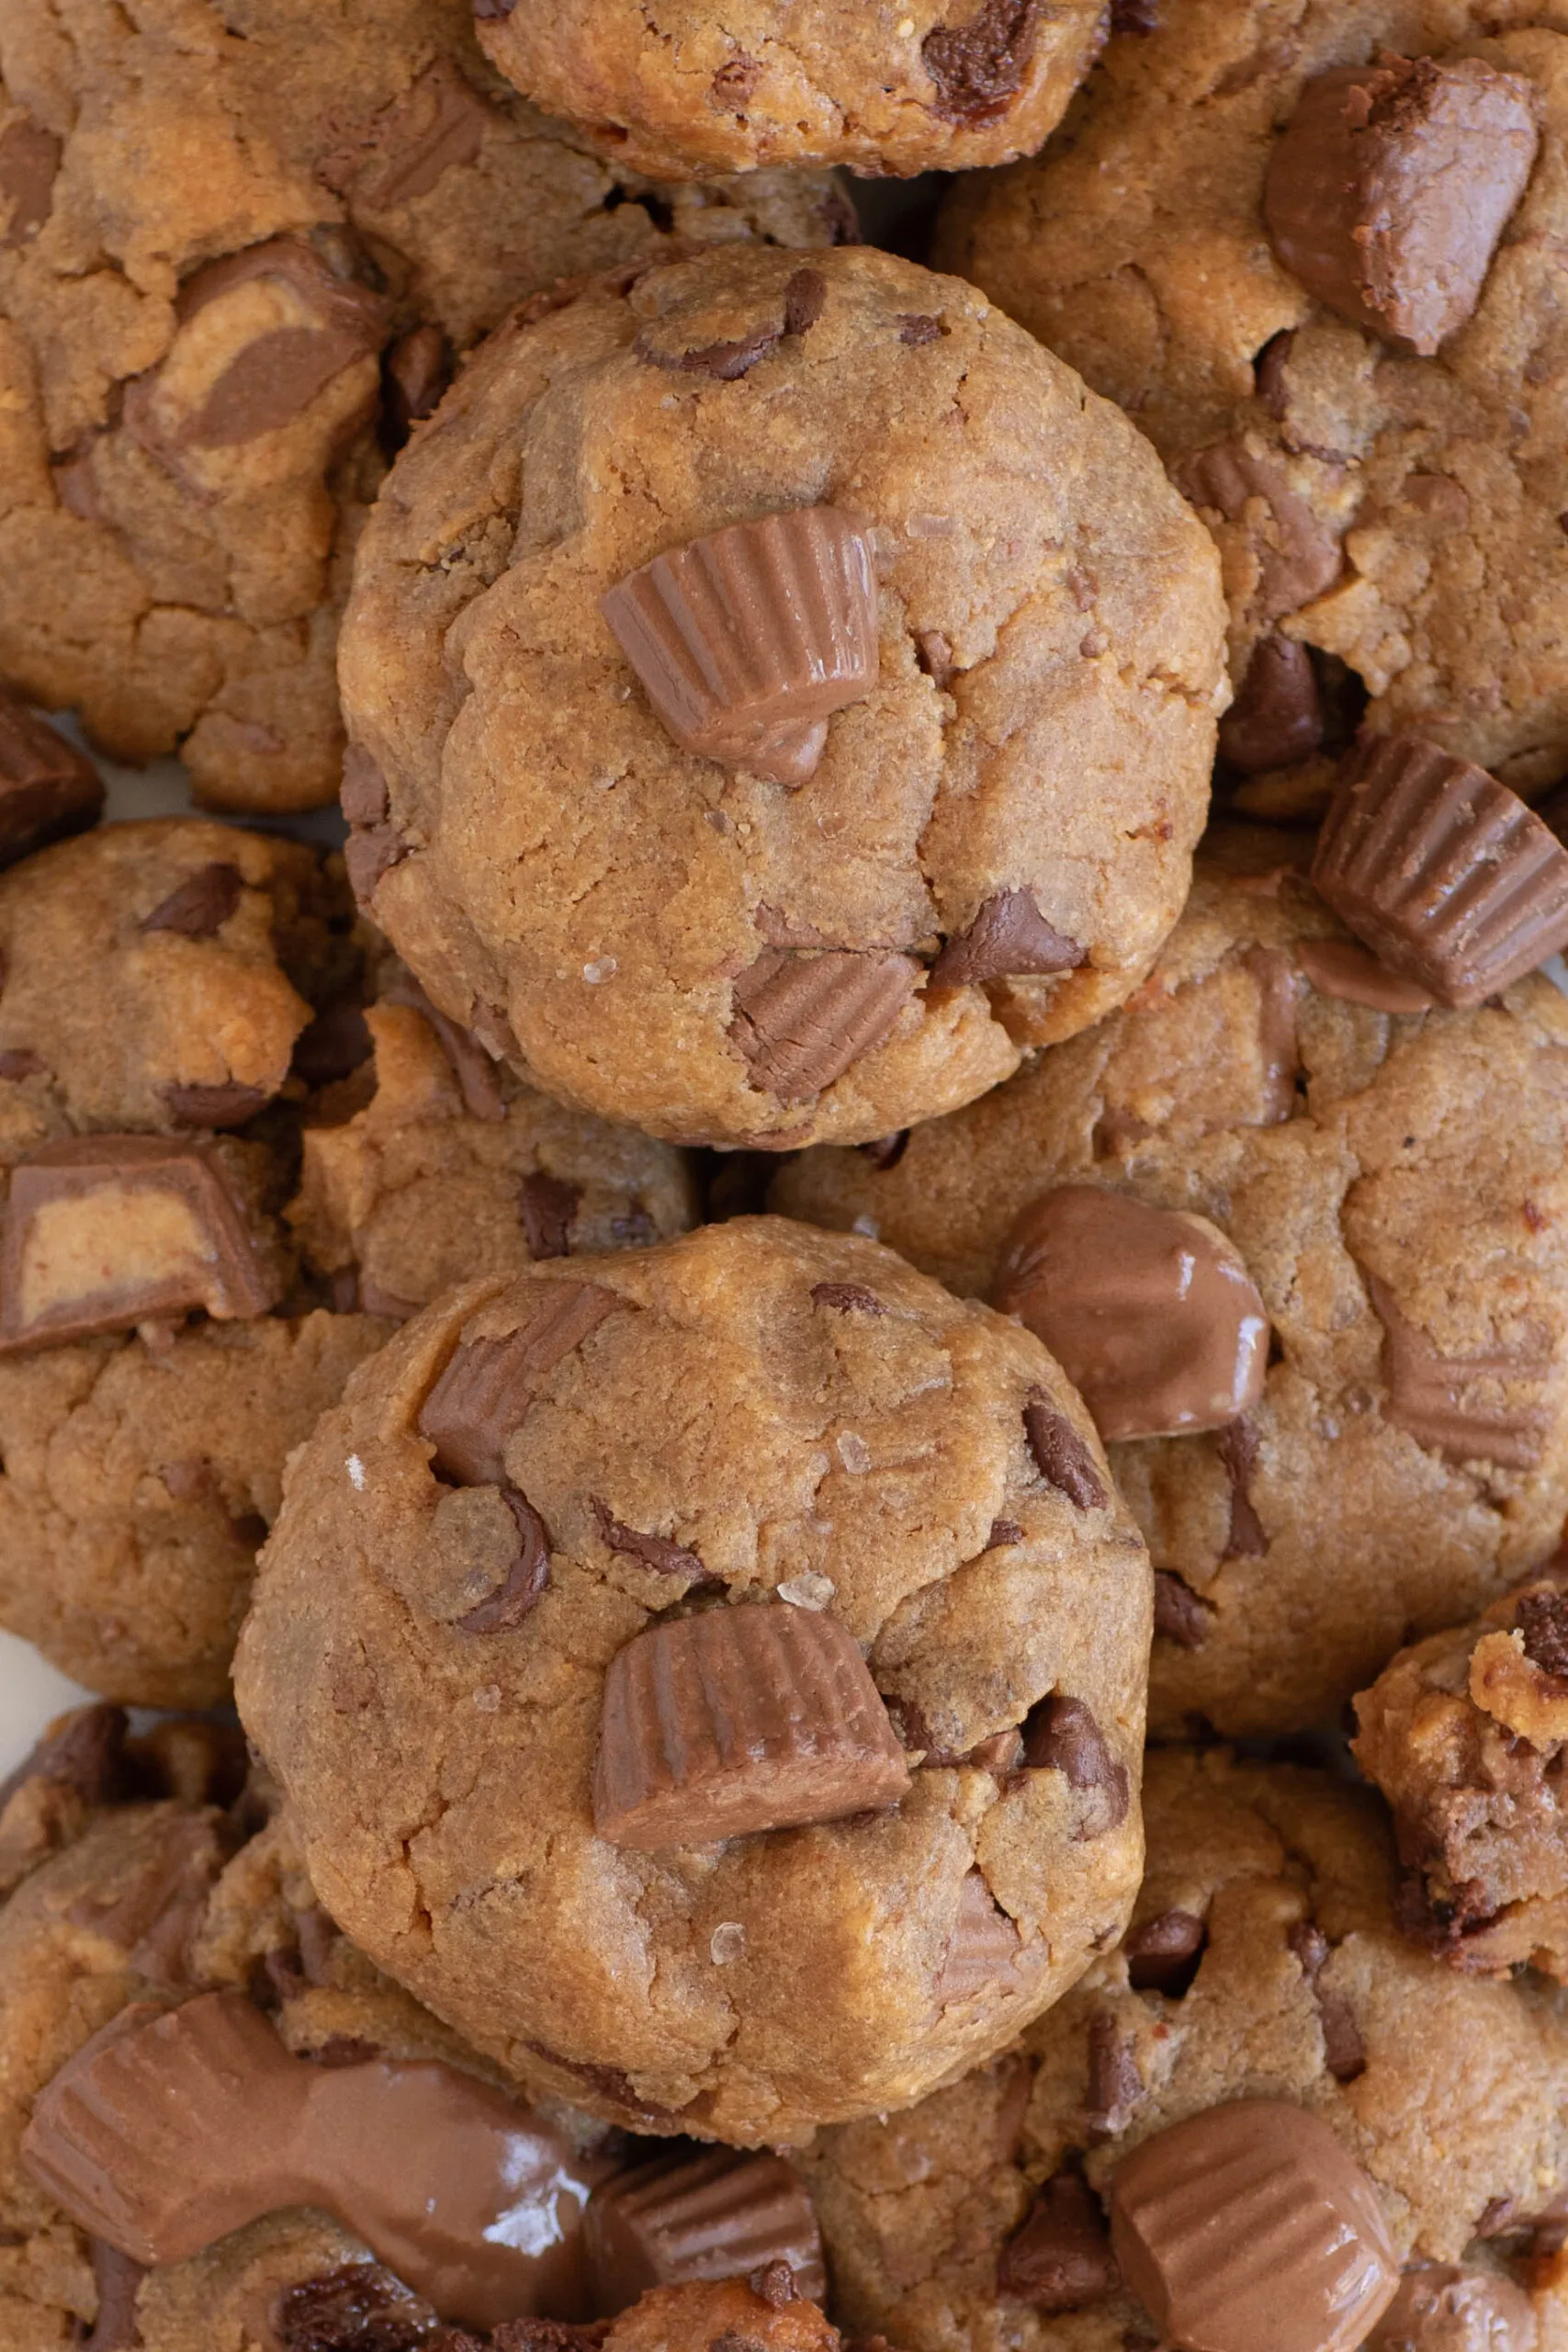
801, 1426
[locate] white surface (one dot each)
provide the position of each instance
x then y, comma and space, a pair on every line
31, 1694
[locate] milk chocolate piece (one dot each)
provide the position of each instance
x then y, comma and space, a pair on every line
83, 1751
163, 2136
1390, 188
1061, 1734
488, 1385
418, 371
658, 1551
1336, 968
30, 160
201, 905
156, 1913
547, 1205
47, 789
1296, 556
471, 1066
800, 1021
1344, 2051
1179, 1615
717, 2215
1250, 2223
1450, 1403
1061, 2259
360, 2308
1246, 1538
1115, 2087
1008, 937
1162, 1953
1439, 2308
1542, 1617
1276, 720
742, 1719
272, 378
1063, 1458
983, 1947
525, 1581
439, 124
1441, 869
1150, 1312
118, 2283
104, 1232
977, 68
747, 640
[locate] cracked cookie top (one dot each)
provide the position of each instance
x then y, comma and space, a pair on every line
1263, 1965
713, 1677
942, 85
779, 693
1390, 1177
1255, 238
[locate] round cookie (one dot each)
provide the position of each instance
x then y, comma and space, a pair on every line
238, 249
1392, 1181
942, 85
1385, 473
702, 1495
1263, 1965
982, 687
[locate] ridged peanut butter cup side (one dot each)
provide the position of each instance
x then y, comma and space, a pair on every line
719, 2214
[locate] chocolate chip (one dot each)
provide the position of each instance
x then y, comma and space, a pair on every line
1003, 1532
1115, 2086
226, 1105
848, 1298
703, 2216
1008, 937
488, 1385
726, 362
978, 67
1060, 1735
332, 1046
525, 1581
1296, 556
201, 905
418, 371
29, 162
1391, 187
888, 1150
1268, 372
548, 1206
47, 789
360, 2308
1344, 2051
1179, 1616
17, 1062
118, 2283
738, 1721
1542, 1617
1064, 1460
1276, 720
1060, 2259
657, 1552
1163, 1953
774, 2284
800, 1021
916, 327
85, 1752
1237, 1449
805, 295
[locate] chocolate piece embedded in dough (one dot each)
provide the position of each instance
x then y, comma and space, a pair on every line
717, 2215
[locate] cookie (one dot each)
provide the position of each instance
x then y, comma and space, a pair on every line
924, 795
1306, 249
726, 1699
1264, 2119
450, 1167
168, 1968
1379, 1179
1464, 1734
946, 85
238, 256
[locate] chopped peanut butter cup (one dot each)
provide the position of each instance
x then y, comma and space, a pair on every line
46, 786
717, 2215
103, 1232
488, 1385
741, 1719
1391, 187
801, 1020
1442, 870
747, 640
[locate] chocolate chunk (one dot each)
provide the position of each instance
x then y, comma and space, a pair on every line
1060, 2260
525, 1581
360, 2308
978, 67
1060, 1735
982, 1948
1150, 1312
418, 369
488, 1386
272, 379
774, 2284
747, 640
1162, 1953
363, 792
670, 1560
719, 2214
201, 905
1451, 1403
1335, 969
1115, 2086
332, 1046
156, 1913
83, 1751
1003, 1532
471, 1066
1249, 2223
804, 295
1179, 1616
1390, 188
1064, 1460
227, 1105
916, 327
1439, 2308
847, 1298
801, 1020
725, 362
1542, 1617
547, 1205
1296, 557
118, 2283
370, 852
737, 1721
1442, 870
439, 126
17, 1062
47, 789
30, 160
887, 1151
1276, 720
103, 1232
1278, 1043
1237, 1449
1009, 937
1344, 2051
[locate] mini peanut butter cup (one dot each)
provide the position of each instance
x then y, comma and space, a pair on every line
1442, 871
761, 1716
745, 641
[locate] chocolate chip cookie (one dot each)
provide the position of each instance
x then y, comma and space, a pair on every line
940, 84
1310, 250
240, 250
1295, 1231
779, 694
1266, 2119
726, 1698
